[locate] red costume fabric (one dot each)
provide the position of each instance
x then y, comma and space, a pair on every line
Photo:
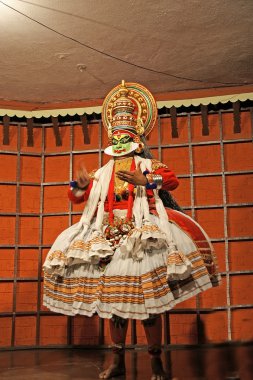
170, 182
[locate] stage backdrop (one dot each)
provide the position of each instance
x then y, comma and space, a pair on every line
213, 160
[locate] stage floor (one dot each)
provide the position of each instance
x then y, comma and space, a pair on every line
216, 363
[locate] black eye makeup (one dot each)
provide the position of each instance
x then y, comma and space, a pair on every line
123, 140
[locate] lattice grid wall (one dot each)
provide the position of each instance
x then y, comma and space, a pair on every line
215, 173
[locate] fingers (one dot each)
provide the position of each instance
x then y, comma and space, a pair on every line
125, 176
125, 172
83, 181
82, 172
81, 164
139, 166
82, 177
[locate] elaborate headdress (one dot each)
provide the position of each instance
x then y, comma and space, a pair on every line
129, 109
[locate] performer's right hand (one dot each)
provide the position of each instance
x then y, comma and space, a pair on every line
82, 177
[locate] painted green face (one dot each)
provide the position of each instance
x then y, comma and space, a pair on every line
121, 143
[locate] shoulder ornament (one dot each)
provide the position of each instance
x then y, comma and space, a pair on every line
157, 165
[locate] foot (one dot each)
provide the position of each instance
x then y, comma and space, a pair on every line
158, 372
112, 371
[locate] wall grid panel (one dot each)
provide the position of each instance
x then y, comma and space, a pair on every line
191, 322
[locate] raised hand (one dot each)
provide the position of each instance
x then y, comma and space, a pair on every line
136, 177
82, 176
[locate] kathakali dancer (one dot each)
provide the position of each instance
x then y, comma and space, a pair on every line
134, 253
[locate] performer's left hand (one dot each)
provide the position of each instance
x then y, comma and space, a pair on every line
135, 177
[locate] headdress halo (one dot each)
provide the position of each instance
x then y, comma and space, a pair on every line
145, 109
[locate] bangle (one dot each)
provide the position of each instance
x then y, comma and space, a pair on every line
155, 181
150, 184
150, 178
158, 180
74, 185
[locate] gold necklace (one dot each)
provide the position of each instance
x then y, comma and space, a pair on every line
122, 164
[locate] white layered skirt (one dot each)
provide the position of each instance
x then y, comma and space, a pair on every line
129, 286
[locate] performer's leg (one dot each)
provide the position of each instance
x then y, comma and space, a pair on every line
153, 331
118, 330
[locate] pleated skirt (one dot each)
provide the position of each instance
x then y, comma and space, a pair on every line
132, 288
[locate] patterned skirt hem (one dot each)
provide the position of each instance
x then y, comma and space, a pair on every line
68, 309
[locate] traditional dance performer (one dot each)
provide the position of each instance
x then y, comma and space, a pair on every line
133, 254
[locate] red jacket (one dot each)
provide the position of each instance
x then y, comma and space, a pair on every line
170, 182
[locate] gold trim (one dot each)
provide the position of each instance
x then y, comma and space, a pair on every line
57, 255
156, 164
143, 100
